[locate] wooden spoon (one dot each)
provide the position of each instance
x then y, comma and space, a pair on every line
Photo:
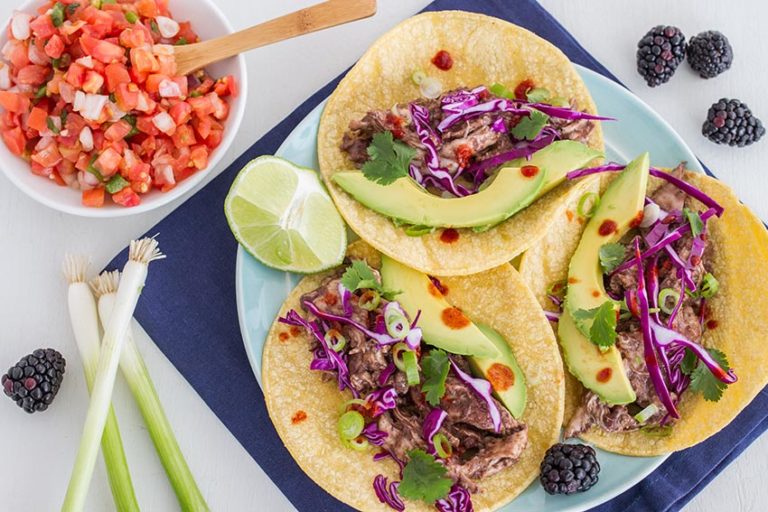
317, 17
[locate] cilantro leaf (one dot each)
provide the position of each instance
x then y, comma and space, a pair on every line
538, 95
501, 91
707, 384
424, 478
611, 256
51, 126
697, 226
603, 330
529, 127
707, 289
389, 159
688, 364
434, 366
359, 275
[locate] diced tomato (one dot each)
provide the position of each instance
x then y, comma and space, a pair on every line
199, 156
55, 176
75, 75
127, 97
184, 136
17, 53
108, 162
117, 131
206, 86
14, 139
147, 8
226, 86
42, 26
186, 32
54, 47
180, 112
94, 197
143, 61
74, 124
100, 23
102, 51
201, 105
116, 74
14, 101
126, 197
32, 74
183, 84
135, 37
153, 82
48, 156
214, 139
202, 126
38, 119
70, 153
93, 82
144, 124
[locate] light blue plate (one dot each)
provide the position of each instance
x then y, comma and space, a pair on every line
261, 290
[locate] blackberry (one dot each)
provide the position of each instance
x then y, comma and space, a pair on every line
731, 122
569, 468
709, 53
659, 53
34, 381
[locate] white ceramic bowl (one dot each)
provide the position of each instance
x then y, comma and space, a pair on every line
209, 22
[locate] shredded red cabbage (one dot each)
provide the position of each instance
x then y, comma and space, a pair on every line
496, 105
375, 436
499, 125
543, 139
345, 295
384, 454
552, 316
386, 373
431, 425
381, 400
483, 388
665, 336
381, 338
567, 113
388, 496
458, 500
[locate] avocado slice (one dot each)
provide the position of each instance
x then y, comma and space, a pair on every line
503, 372
509, 192
442, 325
559, 158
598, 370
620, 209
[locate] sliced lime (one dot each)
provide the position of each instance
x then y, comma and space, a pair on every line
282, 215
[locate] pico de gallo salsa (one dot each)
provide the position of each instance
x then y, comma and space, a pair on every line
92, 99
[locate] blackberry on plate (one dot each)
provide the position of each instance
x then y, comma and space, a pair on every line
659, 53
569, 468
709, 53
729, 121
34, 381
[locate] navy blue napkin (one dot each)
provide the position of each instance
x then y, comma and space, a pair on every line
189, 311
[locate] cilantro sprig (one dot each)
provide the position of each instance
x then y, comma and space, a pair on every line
529, 127
434, 367
611, 256
702, 380
360, 276
707, 289
697, 225
389, 159
603, 330
424, 478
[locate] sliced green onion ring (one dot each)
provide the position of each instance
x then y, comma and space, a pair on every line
355, 401
595, 200
359, 444
370, 300
646, 413
418, 76
397, 324
443, 446
411, 367
350, 425
335, 340
664, 296
397, 355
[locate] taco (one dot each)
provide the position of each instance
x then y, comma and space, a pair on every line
387, 385
658, 303
447, 144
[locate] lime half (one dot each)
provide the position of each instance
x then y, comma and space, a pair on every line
282, 215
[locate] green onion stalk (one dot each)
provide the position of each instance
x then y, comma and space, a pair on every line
140, 255
85, 324
140, 383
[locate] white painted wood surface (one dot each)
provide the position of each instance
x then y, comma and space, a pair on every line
37, 451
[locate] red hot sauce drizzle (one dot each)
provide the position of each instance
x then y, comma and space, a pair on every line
443, 60
608, 227
449, 236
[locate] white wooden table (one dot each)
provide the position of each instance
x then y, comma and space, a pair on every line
36, 452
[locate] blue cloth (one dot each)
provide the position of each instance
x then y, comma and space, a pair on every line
189, 311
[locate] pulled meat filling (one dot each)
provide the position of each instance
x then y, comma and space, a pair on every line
478, 451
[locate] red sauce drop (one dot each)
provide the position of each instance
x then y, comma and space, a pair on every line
668, 219
695, 259
443, 60
704, 237
449, 236
712, 324
557, 287
636, 220
595, 293
454, 318
523, 88
283, 336
573, 280
463, 153
604, 375
529, 171
569, 214
608, 227
500, 376
395, 125
331, 299
434, 290
295, 331
298, 417
441, 287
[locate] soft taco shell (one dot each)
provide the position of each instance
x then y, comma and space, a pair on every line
304, 408
739, 244
484, 50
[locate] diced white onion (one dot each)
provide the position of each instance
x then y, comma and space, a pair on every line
167, 26
115, 114
162, 49
164, 175
164, 122
44, 142
37, 56
67, 92
89, 105
651, 213
5, 76
86, 139
169, 89
86, 62
142, 105
20, 25
431, 87
87, 180
8, 49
